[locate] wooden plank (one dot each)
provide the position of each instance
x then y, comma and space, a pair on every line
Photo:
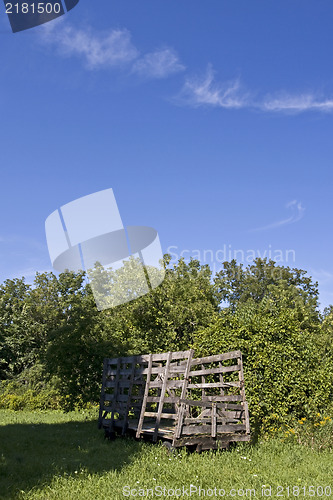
163, 390
144, 402
214, 385
113, 405
220, 414
153, 414
213, 417
121, 383
181, 410
207, 420
193, 402
242, 391
206, 429
221, 367
210, 371
120, 397
171, 384
163, 356
129, 399
155, 399
216, 357
222, 439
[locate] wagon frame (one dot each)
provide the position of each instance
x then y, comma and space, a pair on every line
184, 401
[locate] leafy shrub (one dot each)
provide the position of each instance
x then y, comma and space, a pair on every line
285, 369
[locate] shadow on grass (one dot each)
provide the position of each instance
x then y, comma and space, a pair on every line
32, 454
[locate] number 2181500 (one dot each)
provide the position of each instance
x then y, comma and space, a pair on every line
33, 8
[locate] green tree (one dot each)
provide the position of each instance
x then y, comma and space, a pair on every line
273, 319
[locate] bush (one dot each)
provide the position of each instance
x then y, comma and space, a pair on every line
286, 372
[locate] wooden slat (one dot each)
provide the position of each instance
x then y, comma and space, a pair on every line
242, 391
153, 414
121, 383
207, 420
221, 376
119, 397
129, 398
194, 402
113, 405
102, 398
144, 402
155, 399
181, 410
216, 357
213, 417
206, 429
218, 369
161, 401
214, 385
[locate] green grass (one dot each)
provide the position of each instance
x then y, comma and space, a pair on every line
51, 455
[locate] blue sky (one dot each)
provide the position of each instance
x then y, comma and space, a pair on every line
212, 122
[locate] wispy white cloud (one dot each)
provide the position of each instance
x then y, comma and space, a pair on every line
201, 91
206, 91
296, 104
97, 50
159, 64
297, 212
110, 50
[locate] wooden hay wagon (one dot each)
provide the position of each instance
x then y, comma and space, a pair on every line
184, 401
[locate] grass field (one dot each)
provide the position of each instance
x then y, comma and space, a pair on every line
52, 455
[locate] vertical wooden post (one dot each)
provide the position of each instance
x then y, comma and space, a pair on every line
129, 399
214, 420
221, 379
178, 427
115, 394
145, 396
242, 392
102, 399
162, 395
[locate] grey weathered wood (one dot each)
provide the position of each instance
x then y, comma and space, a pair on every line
129, 397
144, 402
114, 401
206, 429
217, 357
162, 394
213, 420
214, 385
242, 391
210, 371
181, 410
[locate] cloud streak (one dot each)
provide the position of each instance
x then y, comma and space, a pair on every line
115, 50
110, 50
159, 64
297, 104
206, 91
297, 213
97, 51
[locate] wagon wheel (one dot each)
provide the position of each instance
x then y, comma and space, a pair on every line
110, 435
170, 449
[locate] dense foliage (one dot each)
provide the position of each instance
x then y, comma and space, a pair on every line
53, 339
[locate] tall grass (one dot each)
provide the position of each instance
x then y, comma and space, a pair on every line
52, 455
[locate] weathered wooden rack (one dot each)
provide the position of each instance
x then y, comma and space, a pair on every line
172, 396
